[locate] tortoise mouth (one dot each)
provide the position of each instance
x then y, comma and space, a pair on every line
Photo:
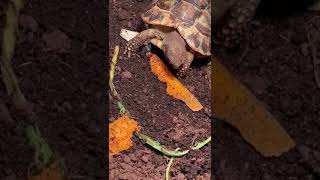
173, 63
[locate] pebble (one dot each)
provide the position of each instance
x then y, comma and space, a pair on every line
127, 75
118, 68
145, 158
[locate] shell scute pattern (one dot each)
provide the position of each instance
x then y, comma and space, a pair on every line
192, 19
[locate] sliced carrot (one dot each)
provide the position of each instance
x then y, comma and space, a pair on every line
235, 104
120, 134
174, 87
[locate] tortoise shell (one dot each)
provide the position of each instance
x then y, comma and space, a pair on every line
192, 19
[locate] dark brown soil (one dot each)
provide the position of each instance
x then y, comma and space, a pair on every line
275, 61
61, 67
162, 117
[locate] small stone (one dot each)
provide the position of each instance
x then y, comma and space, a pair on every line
145, 158
118, 68
126, 75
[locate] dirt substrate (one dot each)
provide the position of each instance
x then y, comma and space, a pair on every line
276, 63
60, 62
162, 117
61, 66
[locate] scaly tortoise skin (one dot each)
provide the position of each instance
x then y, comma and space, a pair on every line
182, 28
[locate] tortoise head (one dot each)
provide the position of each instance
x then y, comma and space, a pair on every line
174, 48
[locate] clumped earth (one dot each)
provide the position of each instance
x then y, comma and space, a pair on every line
275, 61
161, 117
61, 66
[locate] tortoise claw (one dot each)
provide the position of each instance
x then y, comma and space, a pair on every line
131, 47
182, 72
128, 50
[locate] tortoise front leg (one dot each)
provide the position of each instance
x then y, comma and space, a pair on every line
186, 64
143, 37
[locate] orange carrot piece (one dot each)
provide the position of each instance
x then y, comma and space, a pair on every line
120, 134
235, 104
174, 87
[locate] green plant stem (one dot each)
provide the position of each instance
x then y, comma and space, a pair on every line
7, 51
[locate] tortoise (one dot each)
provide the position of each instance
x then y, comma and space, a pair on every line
182, 28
